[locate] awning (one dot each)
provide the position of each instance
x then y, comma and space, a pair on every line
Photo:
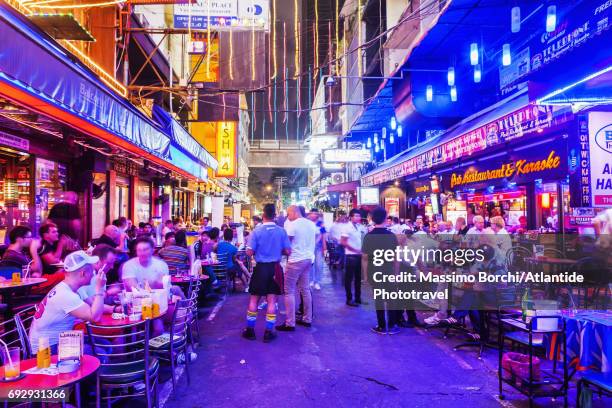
37, 73
182, 139
509, 119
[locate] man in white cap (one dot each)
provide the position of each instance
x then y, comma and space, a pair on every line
63, 307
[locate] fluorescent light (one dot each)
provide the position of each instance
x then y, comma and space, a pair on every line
515, 19
506, 57
543, 99
477, 73
450, 76
453, 93
473, 53
551, 18
429, 93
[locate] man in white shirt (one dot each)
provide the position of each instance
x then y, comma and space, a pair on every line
396, 227
63, 307
144, 268
351, 239
302, 235
472, 236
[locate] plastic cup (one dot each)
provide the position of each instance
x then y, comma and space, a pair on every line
12, 362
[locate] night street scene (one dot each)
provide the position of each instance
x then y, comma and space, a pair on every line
305, 203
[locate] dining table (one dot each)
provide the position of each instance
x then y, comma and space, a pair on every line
9, 285
108, 320
39, 384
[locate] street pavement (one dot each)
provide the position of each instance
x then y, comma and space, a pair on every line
338, 362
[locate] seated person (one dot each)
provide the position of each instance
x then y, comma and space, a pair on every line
176, 254
62, 307
201, 249
50, 252
227, 250
15, 255
144, 268
107, 256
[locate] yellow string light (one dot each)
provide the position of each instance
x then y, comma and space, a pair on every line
359, 62
79, 6
297, 38
316, 62
275, 72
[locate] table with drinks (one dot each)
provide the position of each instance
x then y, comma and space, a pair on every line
137, 306
19, 283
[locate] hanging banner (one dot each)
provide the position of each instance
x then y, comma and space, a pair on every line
223, 14
392, 206
226, 149
600, 145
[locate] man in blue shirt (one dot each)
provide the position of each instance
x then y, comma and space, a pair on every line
268, 243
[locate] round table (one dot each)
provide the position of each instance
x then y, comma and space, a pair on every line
25, 283
89, 365
107, 320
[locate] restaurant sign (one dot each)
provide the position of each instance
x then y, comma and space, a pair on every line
226, 149
506, 128
521, 168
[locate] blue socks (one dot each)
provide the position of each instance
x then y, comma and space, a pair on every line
251, 319
270, 321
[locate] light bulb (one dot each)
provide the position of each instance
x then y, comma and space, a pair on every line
515, 19
477, 73
506, 57
400, 131
451, 76
551, 18
473, 53
453, 93
429, 93
393, 123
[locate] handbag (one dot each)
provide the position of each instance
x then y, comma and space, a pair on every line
279, 277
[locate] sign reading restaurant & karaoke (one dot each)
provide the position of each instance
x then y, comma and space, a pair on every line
509, 127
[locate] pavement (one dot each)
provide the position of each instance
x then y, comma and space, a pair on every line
338, 362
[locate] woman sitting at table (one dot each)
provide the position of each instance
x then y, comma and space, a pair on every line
63, 307
176, 254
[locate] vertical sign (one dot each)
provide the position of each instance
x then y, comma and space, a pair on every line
579, 166
226, 149
600, 146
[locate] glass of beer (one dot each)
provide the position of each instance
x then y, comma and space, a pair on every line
43, 356
11, 358
147, 308
16, 278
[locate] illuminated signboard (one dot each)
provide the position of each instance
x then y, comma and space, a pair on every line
367, 196
223, 14
346, 156
509, 127
226, 149
600, 145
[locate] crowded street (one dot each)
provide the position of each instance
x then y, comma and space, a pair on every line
362, 203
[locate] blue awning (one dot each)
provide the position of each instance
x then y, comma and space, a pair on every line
182, 139
33, 63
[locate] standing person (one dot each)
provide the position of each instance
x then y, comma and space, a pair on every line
320, 249
67, 216
351, 239
302, 234
380, 238
268, 243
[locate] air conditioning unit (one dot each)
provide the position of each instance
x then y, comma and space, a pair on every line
337, 178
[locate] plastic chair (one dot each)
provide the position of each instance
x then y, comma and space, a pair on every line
125, 362
179, 338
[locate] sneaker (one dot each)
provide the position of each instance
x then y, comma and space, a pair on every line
285, 328
317, 286
378, 330
192, 357
249, 333
303, 323
262, 305
246, 290
432, 320
393, 330
269, 335
140, 387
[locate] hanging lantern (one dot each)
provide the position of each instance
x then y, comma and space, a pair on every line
391, 138
400, 131
393, 123
450, 76
384, 133
506, 57
477, 73
376, 148
375, 138
515, 19
453, 93
429, 93
369, 143
551, 18
473, 53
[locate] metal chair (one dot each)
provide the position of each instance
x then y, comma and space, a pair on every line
125, 362
194, 294
515, 258
23, 321
221, 272
178, 343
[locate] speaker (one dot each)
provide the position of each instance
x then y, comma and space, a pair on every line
184, 184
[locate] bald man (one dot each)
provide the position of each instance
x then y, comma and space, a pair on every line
302, 235
110, 237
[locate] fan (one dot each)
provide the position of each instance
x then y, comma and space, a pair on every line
98, 190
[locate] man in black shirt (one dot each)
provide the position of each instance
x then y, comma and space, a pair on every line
67, 216
22, 242
380, 238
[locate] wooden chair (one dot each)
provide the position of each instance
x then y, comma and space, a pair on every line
126, 362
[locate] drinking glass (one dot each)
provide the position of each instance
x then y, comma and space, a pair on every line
11, 362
